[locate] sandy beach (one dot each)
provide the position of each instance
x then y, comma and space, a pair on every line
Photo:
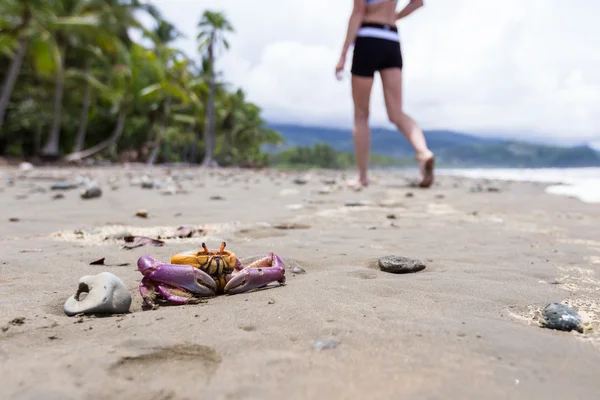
465, 327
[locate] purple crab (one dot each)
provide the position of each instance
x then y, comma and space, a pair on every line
205, 273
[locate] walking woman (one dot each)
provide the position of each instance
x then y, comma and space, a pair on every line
372, 30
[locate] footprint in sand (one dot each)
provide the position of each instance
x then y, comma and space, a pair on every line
182, 362
248, 328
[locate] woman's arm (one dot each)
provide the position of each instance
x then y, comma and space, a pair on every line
358, 13
409, 9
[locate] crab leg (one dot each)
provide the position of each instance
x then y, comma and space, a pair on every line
258, 274
148, 291
176, 295
178, 276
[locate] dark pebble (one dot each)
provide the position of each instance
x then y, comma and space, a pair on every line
359, 203
63, 186
300, 181
91, 192
560, 317
297, 270
400, 265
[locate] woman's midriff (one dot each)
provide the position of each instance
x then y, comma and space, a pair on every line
384, 13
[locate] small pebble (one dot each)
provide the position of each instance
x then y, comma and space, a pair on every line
91, 192
291, 225
400, 265
320, 345
63, 186
358, 203
142, 213
297, 270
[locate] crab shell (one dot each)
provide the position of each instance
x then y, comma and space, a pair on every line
219, 264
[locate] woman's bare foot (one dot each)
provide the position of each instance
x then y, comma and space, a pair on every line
357, 184
426, 166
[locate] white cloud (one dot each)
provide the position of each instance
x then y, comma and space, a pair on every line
496, 67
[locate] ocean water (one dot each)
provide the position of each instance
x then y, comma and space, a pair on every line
581, 183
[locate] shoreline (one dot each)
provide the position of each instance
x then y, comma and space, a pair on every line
466, 325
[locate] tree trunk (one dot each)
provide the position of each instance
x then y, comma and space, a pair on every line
165, 123
194, 149
11, 77
155, 150
150, 132
102, 145
37, 144
51, 147
209, 132
83, 119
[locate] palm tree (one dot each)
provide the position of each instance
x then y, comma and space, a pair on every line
122, 92
23, 11
104, 22
83, 19
104, 45
213, 27
159, 94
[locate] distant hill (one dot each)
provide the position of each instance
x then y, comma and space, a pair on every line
452, 148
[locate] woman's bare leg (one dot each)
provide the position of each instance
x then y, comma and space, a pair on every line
391, 79
361, 95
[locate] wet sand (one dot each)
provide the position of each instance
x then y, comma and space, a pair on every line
464, 327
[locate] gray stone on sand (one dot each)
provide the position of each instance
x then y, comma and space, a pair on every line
63, 185
561, 317
297, 270
106, 293
325, 344
358, 203
400, 265
91, 192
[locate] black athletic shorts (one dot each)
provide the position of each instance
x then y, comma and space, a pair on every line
376, 47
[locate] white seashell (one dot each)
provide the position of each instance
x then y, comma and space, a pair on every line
106, 293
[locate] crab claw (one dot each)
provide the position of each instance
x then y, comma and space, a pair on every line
182, 276
258, 274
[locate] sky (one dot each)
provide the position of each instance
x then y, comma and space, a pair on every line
506, 68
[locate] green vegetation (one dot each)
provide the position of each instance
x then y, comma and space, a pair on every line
75, 84
322, 155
